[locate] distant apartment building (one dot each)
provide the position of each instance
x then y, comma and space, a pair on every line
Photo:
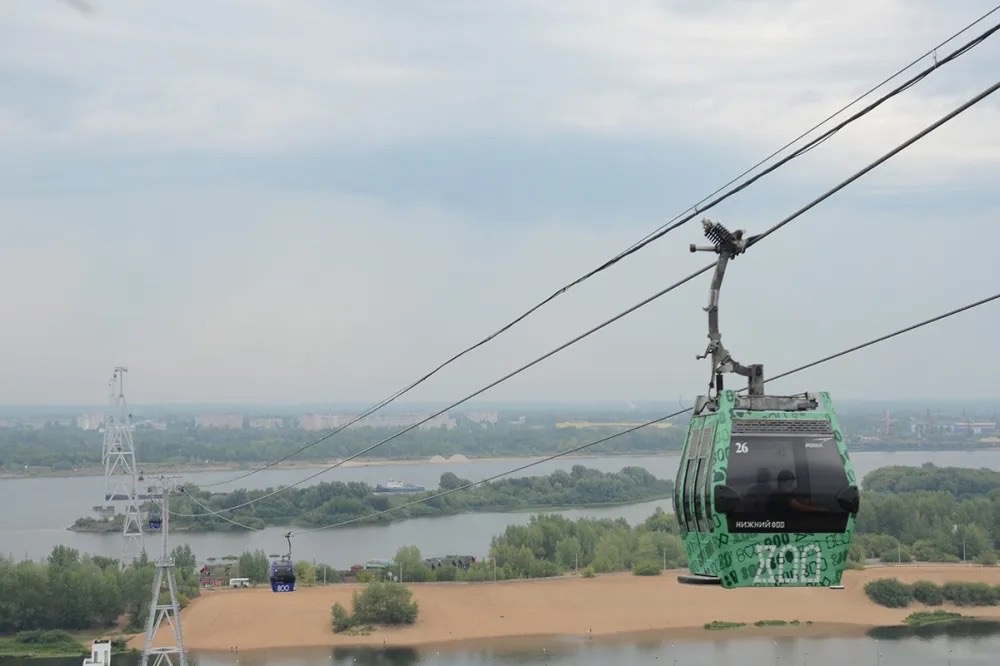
322, 421
90, 421
330, 421
443, 421
219, 421
482, 417
974, 427
267, 423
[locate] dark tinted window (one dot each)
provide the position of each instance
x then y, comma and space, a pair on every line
282, 572
787, 482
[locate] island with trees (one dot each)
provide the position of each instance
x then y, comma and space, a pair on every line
335, 502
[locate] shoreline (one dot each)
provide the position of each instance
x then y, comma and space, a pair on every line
154, 469
160, 468
618, 606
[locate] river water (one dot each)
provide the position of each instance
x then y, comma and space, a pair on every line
970, 645
37, 511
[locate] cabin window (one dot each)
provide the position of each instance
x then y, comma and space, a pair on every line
685, 480
786, 481
704, 481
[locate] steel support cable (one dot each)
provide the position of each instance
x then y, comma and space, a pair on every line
674, 223
582, 447
841, 185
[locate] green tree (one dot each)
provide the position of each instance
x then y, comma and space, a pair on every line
254, 566
341, 620
384, 603
305, 573
410, 563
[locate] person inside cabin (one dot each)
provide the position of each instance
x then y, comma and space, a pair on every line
788, 498
757, 494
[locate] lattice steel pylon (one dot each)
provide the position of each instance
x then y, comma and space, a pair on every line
170, 611
121, 478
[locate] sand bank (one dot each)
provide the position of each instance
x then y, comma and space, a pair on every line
602, 606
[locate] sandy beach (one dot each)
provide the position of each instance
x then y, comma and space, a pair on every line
607, 605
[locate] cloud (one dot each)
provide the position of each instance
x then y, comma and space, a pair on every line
252, 77
307, 201
235, 295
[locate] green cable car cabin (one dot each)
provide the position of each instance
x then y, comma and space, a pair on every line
765, 493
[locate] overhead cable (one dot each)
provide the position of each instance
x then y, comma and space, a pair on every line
583, 447
844, 183
674, 223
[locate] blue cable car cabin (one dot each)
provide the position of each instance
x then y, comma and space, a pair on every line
282, 576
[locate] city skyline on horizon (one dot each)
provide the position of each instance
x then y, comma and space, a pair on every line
412, 406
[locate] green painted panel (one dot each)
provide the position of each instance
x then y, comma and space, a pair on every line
758, 559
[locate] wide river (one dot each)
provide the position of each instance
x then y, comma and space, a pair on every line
37, 511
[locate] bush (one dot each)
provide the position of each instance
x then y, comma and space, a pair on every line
889, 592
987, 559
923, 618
588, 572
379, 603
445, 574
543, 569
648, 568
970, 594
384, 603
477, 573
46, 637
342, 620
927, 593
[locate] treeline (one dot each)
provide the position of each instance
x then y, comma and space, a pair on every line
64, 448
941, 515
73, 591
929, 514
960, 482
256, 566
893, 593
328, 503
550, 545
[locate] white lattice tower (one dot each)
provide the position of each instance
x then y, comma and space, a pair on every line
121, 482
170, 655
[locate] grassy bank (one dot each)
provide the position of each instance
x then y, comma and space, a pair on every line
52, 643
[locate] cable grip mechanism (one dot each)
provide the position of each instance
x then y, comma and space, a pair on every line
727, 244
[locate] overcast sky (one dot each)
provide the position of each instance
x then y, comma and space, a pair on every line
310, 201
